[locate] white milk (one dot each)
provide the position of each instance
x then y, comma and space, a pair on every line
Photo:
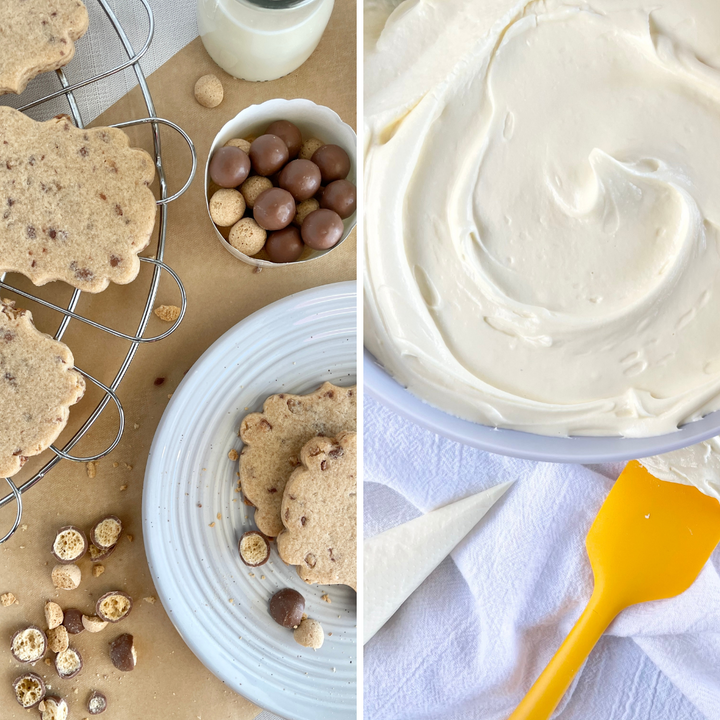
262, 39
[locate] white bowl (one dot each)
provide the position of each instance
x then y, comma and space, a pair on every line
313, 121
383, 388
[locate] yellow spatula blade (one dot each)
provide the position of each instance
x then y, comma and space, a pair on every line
649, 541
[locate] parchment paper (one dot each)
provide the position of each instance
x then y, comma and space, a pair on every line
169, 682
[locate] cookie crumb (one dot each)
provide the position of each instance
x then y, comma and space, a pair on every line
233, 455
91, 469
130, 538
116, 464
167, 313
150, 600
212, 524
326, 598
136, 426
7, 599
257, 270
123, 488
98, 570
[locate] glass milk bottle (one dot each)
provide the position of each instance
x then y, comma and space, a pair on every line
262, 39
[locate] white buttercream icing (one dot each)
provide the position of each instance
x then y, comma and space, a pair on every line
542, 243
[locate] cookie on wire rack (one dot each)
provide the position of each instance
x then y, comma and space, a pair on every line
274, 438
74, 204
37, 387
319, 511
37, 36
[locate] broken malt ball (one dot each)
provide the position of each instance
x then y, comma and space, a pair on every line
114, 606
97, 703
106, 533
73, 621
70, 545
66, 577
98, 570
58, 639
93, 624
254, 548
7, 599
29, 645
53, 708
68, 663
29, 690
53, 614
96, 554
122, 653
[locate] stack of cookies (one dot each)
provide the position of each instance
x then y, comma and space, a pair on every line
299, 469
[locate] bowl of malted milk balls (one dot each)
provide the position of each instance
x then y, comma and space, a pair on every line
280, 183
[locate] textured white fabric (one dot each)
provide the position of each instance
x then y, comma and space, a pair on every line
100, 50
470, 642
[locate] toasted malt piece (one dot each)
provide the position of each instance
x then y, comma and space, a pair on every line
53, 708
97, 555
70, 545
106, 533
274, 438
93, 623
97, 703
319, 511
309, 147
58, 639
114, 606
37, 384
66, 577
73, 621
29, 645
68, 663
309, 633
53, 614
29, 690
77, 206
122, 653
38, 36
254, 548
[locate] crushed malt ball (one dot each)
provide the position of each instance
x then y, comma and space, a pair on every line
98, 570
168, 313
150, 600
7, 599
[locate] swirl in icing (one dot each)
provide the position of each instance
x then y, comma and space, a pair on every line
542, 244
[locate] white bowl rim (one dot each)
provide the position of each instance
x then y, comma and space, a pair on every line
383, 388
349, 223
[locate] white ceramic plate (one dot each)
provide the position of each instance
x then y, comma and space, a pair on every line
216, 604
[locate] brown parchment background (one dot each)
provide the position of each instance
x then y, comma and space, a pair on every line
169, 681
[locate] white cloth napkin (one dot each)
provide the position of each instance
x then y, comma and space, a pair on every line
473, 638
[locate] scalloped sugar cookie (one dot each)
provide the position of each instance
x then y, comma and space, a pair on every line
74, 204
319, 510
274, 438
37, 387
37, 36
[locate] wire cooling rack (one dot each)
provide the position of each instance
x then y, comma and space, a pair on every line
68, 313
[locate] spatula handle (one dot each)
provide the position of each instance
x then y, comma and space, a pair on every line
546, 693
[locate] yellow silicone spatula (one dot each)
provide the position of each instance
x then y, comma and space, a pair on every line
649, 541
